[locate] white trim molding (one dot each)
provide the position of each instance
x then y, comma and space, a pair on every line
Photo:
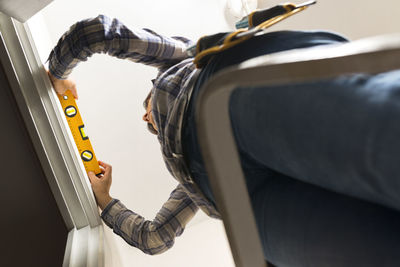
53, 143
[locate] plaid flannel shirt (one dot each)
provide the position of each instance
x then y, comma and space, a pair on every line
171, 92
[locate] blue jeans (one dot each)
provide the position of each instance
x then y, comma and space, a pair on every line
319, 158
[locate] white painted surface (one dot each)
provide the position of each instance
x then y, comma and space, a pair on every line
111, 92
22, 10
355, 19
201, 245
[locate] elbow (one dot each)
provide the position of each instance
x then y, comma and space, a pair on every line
159, 250
98, 28
160, 243
100, 21
110, 36
153, 240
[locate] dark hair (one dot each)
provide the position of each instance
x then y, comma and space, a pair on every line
145, 105
151, 128
146, 101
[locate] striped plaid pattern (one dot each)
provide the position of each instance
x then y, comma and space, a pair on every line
152, 237
171, 92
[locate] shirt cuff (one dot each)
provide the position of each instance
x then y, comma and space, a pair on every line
56, 68
110, 211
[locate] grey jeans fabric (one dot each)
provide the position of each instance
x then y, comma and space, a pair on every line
320, 160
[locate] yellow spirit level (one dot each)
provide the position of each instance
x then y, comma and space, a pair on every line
77, 128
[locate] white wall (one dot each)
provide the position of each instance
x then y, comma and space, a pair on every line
111, 92
353, 18
202, 244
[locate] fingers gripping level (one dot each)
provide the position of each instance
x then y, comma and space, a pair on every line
77, 128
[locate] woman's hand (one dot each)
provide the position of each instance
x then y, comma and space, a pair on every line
101, 185
61, 86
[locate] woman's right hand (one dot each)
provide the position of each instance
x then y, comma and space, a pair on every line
61, 86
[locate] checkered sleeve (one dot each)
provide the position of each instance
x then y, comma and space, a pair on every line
152, 237
105, 35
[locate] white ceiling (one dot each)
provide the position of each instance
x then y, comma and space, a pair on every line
22, 9
111, 91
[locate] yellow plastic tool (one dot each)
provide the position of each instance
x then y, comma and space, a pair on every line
77, 127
